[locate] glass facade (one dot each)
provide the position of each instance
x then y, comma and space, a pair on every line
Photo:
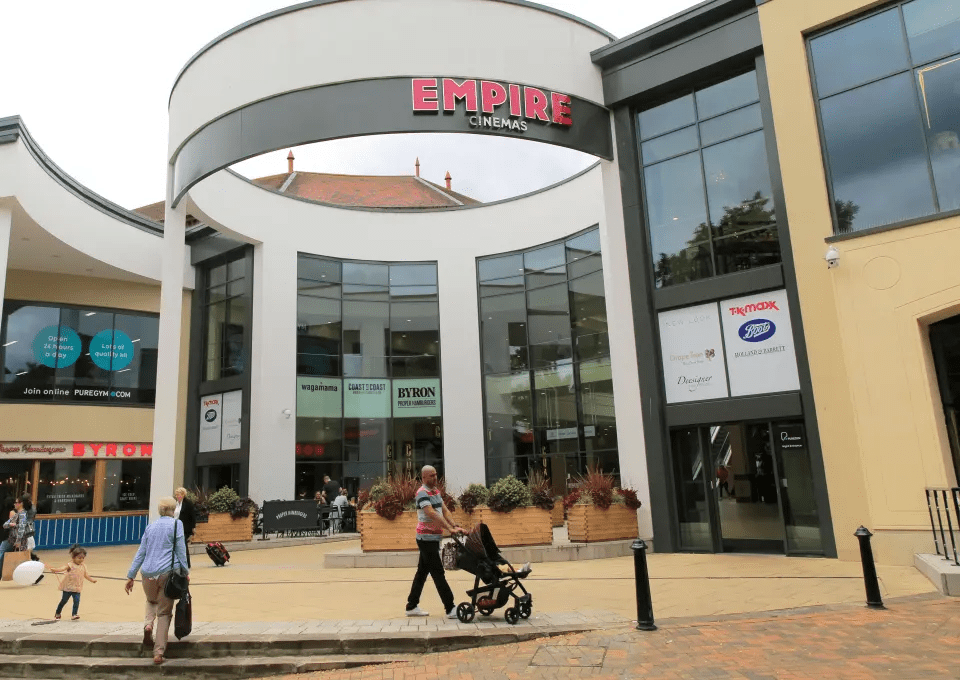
368, 367
707, 185
548, 389
890, 113
227, 307
60, 353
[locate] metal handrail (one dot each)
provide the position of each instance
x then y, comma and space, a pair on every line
946, 503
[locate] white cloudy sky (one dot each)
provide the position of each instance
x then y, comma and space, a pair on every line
91, 81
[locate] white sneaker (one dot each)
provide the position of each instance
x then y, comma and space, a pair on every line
416, 611
452, 614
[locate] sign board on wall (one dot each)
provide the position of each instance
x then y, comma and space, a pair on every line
61, 450
366, 398
319, 397
230, 433
761, 357
415, 398
692, 352
211, 417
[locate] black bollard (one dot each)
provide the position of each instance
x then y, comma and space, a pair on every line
642, 578
874, 600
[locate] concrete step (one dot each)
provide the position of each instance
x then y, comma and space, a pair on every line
37, 666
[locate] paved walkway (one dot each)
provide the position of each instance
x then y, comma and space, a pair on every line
917, 637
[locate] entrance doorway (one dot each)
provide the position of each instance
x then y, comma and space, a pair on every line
745, 486
945, 342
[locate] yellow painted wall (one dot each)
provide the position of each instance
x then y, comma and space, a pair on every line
878, 408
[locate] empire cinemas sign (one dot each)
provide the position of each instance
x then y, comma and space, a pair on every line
502, 106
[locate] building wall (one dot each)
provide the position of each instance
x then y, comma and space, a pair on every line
878, 406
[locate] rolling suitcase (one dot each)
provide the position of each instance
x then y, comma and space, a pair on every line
218, 553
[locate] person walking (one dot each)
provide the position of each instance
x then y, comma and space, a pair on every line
186, 512
162, 549
331, 488
72, 583
432, 518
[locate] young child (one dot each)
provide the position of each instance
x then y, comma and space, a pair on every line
72, 583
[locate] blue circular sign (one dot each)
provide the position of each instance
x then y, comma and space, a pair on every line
111, 350
57, 346
757, 330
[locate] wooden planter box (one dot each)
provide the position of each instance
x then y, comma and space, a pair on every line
589, 524
220, 526
464, 519
556, 515
523, 526
387, 535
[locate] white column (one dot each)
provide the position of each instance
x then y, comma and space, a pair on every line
623, 348
166, 414
6, 224
273, 372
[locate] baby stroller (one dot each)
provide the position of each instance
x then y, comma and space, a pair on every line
478, 554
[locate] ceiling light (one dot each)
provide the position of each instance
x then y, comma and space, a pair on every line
89, 313
11, 343
137, 340
23, 373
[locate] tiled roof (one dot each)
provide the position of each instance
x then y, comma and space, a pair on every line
362, 191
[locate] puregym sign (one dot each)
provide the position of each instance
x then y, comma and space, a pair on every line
490, 104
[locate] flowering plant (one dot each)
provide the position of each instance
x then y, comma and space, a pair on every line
599, 489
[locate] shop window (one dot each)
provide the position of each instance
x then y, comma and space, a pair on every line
890, 114
127, 485
707, 184
14, 482
227, 309
66, 487
73, 354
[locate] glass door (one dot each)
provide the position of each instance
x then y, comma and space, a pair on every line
800, 513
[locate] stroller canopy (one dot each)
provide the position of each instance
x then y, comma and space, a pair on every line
479, 543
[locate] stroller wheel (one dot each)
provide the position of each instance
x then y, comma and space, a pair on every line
511, 615
465, 612
526, 609
486, 611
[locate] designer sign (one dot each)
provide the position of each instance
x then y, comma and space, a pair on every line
692, 351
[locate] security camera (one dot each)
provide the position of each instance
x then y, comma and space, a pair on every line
832, 257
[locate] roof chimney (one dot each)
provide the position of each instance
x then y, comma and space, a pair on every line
417, 164
449, 179
290, 162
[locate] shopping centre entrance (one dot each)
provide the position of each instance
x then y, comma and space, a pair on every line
745, 486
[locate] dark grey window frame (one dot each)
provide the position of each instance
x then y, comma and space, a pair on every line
900, 224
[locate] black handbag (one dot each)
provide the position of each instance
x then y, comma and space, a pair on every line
183, 617
176, 586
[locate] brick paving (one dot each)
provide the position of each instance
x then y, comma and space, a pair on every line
916, 637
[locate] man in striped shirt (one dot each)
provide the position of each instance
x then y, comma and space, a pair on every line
433, 517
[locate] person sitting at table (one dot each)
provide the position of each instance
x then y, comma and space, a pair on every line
341, 500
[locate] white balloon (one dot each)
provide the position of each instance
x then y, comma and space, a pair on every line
28, 572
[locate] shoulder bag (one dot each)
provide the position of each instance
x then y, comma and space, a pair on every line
177, 584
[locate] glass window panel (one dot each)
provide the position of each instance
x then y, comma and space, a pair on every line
318, 336
548, 317
236, 288
319, 439
216, 323
318, 270
859, 53
666, 117
678, 220
691, 495
547, 278
85, 371
321, 288
25, 375
141, 373
417, 442
933, 28
730, 125
544, 258
65, 486
413, 274
588, 316
15, 479
596, 399
500, 286
798, 498
877, 159
584, 244
236, 269
555, 398
738, 185
233, 349
509, 415
217, 276
503, 329
414, 339
414, 292
730, 94
670, 145
216, 294
940, 101
366, 331
590, 263
127, 485
553, 440
500, 267
367, 274
357, 292
365, 442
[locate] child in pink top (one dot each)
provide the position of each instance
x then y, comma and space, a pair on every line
72, 583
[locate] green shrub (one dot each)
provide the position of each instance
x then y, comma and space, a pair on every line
472, 496
507, 494
222, 500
